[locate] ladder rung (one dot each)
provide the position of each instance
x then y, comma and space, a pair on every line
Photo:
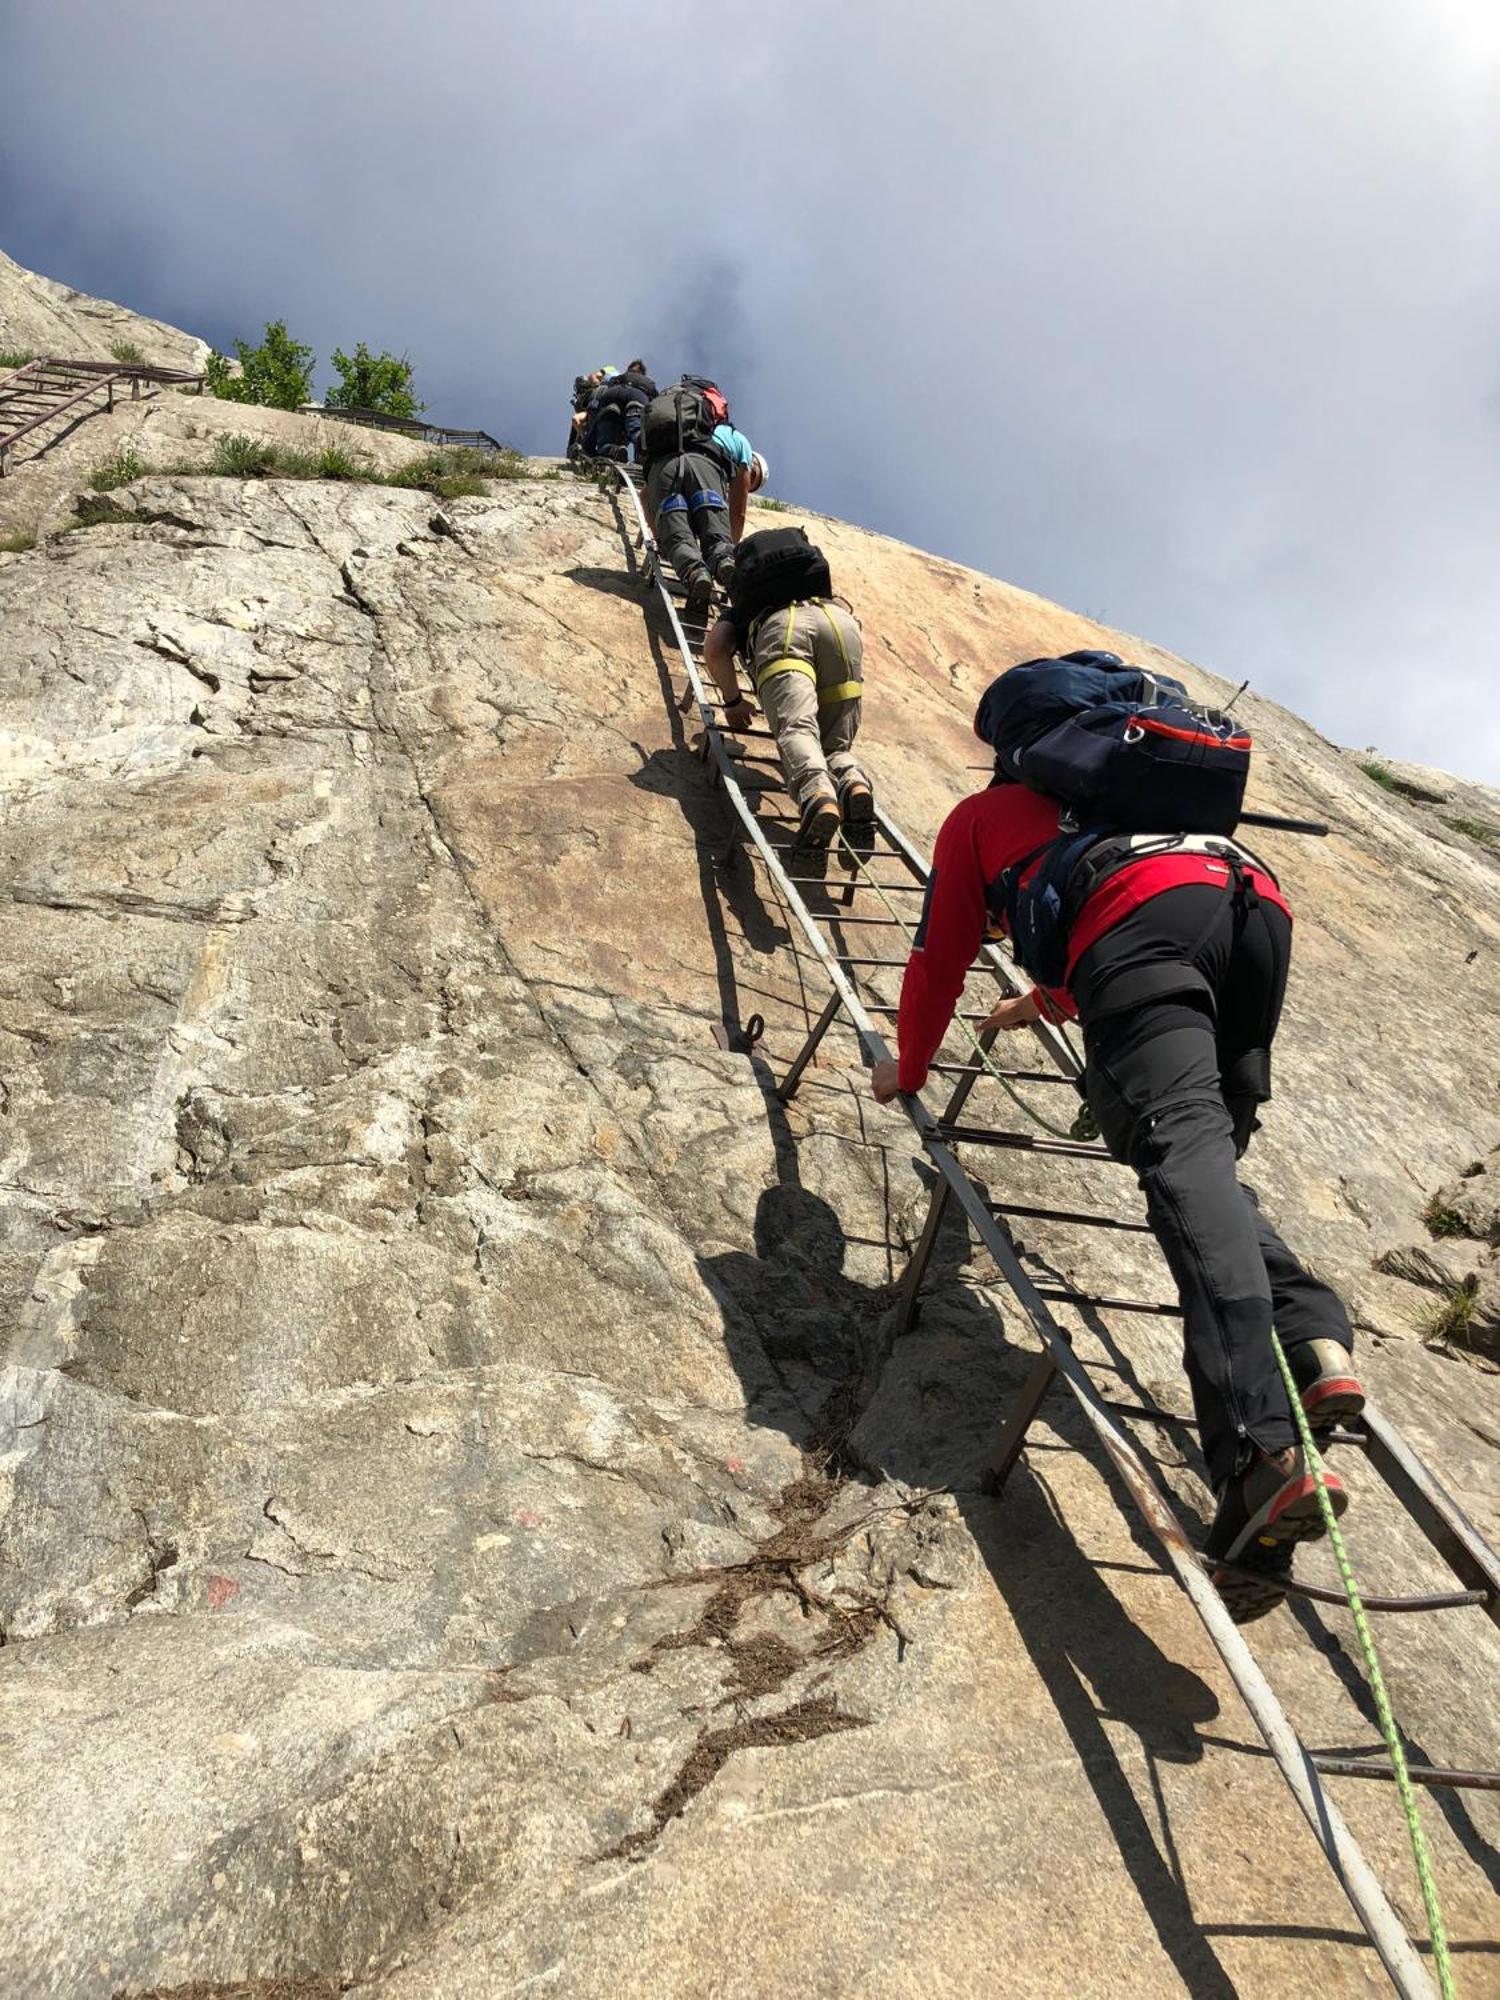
1079, 1216
1101, 1302
1322, 1593
820, 882
981, 1135
1010, 1075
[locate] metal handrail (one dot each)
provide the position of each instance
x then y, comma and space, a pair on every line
415, 427
30, 383
1353, 1873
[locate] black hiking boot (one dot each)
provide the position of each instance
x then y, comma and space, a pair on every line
1324, 1373
857, 803
700, 591
724, 574
1261, 1517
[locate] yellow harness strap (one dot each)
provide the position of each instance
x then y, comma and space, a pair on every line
828, 697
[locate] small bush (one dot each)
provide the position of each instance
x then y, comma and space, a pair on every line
119, 469
14, 357
277, 374
17, 541
772, 506
1442, 1220
369, 381
126, 350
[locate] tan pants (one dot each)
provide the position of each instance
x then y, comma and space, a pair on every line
806, 663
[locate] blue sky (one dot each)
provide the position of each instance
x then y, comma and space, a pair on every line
1187, 316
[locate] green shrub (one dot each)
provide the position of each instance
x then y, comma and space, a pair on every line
373, 382
277, 374
17, 541
119, 469
1442, 1220
772, 506
14, 357
126, 350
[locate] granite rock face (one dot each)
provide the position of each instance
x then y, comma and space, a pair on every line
40, 316
467, 1527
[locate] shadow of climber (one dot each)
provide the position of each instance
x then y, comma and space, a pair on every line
799, 1332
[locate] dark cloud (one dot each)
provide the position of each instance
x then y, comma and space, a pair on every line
1187, 317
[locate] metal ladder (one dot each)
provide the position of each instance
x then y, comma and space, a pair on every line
856, 997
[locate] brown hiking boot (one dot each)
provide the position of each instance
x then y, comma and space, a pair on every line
858, 803
820, 822
1261, 1517
1324, 1373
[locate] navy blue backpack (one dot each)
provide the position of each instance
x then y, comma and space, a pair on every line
1123, 751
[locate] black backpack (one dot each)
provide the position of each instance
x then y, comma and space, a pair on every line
717, 400
678, 420
777, 567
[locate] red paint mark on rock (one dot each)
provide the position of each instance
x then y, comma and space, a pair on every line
527, 1517
221, 1591
734, 1465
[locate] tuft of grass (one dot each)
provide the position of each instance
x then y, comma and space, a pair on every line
14, 357
1446, 1323
17, 541
1475, 829
126, 350
333, 461
772, 506
1441, 1220
1382, 775
119, 469
457, 462
236, 456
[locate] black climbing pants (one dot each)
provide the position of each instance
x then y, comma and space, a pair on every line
689, 499
1179, 1004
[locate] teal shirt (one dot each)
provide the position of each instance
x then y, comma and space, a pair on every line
735, 443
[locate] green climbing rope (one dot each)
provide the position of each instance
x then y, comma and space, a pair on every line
1388, 1726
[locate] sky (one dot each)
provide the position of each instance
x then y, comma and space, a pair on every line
1184, 313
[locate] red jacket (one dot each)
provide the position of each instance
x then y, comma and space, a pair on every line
981, 836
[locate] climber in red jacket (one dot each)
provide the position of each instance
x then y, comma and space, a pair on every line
1176, 970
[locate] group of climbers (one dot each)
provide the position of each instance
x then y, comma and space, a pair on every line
1104, 851
608, 406
799, 643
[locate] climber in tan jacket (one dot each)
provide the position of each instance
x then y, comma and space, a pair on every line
804, 651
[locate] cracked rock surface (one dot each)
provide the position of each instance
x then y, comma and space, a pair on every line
467, 1526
